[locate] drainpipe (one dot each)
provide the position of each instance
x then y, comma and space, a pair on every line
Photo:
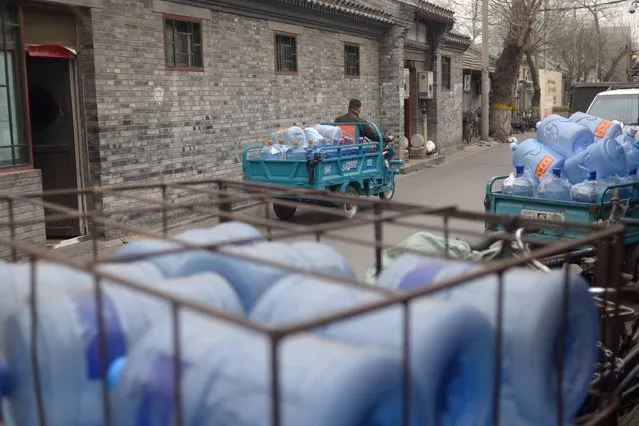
424, 122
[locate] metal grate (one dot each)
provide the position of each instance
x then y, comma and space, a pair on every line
324, 222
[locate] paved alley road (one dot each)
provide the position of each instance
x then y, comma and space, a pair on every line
460, 181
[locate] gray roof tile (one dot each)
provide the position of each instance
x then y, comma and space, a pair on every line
352, 9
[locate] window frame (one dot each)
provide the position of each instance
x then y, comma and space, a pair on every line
359, 61
21, 94
448, 81
275, 55
187, 19
416, 27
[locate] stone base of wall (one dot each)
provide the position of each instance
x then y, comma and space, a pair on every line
15, 183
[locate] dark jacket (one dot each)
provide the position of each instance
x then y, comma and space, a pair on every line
368, 131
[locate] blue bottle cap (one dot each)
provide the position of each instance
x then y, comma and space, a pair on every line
519, 170
556, 171
114, 371
592, 175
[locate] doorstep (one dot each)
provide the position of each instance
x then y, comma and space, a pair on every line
415, 165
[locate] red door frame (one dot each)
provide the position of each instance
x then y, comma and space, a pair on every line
408, 102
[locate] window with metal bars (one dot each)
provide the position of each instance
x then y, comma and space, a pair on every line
445, 74
14, 145
183, 41
285, 54
351, 60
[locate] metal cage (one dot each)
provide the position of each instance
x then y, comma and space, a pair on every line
225, 200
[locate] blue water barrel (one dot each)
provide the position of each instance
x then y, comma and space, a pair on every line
52, 278
601, 129
69, 345
531, 323
249, 275
169, 263
563, 136
325, 259
226, 380
451, 344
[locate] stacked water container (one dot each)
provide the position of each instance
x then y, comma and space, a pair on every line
348, 373
297, 144
576, 158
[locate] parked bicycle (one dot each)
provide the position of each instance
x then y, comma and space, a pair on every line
471, 125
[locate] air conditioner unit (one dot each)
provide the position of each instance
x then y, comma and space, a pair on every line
467, 80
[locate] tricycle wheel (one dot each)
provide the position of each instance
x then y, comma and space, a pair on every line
387, 195
284, 212
349, 207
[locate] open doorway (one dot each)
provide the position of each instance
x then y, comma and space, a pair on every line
53, 134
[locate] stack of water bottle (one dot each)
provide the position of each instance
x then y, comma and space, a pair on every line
576, 158
297, 144
347, 373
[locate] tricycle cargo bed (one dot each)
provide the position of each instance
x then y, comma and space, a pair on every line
319, 175
559, 211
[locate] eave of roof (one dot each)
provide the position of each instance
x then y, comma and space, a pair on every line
346, 8
433, 12
455, 38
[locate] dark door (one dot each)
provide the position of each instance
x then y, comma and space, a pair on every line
52, 133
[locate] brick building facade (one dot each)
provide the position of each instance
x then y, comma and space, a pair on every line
107, 92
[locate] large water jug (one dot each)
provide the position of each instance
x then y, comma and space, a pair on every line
226, 380
54, 278
270, 152
554, 187
607, 158
518, 184
532, 320
630, 146
313, 135
251, 270
537, 158
169, 263
600, 128
586, 191
297, 153
325, 259
332, 134
628, 192
451, 345
312, 150
288, 136
563, 135
69, 345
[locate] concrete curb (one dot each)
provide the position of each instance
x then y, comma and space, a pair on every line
414, 166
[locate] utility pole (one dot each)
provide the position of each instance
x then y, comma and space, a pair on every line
485, 78
545, 33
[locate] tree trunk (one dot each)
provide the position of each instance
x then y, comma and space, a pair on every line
504, 82
507, 67
534, 74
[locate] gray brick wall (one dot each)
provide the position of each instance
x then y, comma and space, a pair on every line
32, 234
205, 118
391, 71
450, 105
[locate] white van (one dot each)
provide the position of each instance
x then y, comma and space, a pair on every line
621, 105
